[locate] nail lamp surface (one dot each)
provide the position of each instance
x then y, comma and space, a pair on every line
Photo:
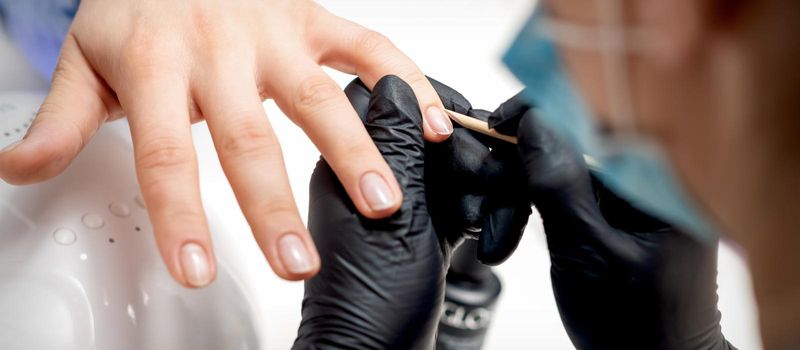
79, 267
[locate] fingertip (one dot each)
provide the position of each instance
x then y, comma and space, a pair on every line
66, 120
297, 256
197, 265
382, 195
10, 147
437, 125
502, 231
30, 161
432, 136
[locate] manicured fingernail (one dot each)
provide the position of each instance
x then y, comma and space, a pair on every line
196, 267
12, 146
294, 254
438, 121
377, 192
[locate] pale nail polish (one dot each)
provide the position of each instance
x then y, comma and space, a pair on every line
294, 255
376, 191
438, 121
196, 267
12, 146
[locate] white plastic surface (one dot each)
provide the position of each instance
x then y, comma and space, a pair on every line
80, 273
120, 209
64, 236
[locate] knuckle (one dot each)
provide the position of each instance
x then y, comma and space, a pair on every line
62, 71
167, 197
140, 41
263, 91
415, 79
70, 133
143, 55
314, 93
185, 214
372, 43
164, 153
203, 22
249, 139
68, 64
145, 66
278, 208
222, 48
360, 152
270, 212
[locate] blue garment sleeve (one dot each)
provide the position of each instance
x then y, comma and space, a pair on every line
38, 28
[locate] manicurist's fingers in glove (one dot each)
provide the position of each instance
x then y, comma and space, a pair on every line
165, 65
622, 278
382, 280
473, 181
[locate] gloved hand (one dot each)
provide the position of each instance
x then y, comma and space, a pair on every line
471, 181
467, 178
382, 281
622, 279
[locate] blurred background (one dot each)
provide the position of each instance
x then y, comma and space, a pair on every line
458, 42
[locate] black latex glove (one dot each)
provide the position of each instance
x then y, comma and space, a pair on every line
469, 177
622, 279
472, 185
382, 281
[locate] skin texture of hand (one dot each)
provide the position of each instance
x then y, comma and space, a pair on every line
622, 279
167, 64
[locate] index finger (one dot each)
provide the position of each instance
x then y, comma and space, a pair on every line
357, 50
319, 106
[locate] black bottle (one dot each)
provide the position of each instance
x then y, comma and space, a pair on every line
471, 292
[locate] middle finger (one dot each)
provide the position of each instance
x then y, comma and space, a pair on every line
253, 162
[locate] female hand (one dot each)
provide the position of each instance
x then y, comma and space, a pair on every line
167, 64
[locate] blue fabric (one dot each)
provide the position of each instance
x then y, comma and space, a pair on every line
636, 171
38, 28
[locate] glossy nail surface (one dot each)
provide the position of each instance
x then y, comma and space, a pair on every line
294, 255
438, 121
377, 192
195, 264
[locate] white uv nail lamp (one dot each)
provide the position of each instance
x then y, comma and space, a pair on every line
79, 268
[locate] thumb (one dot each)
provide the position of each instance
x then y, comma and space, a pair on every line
73, 110
502, 231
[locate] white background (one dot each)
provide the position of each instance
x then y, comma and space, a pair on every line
458, 42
